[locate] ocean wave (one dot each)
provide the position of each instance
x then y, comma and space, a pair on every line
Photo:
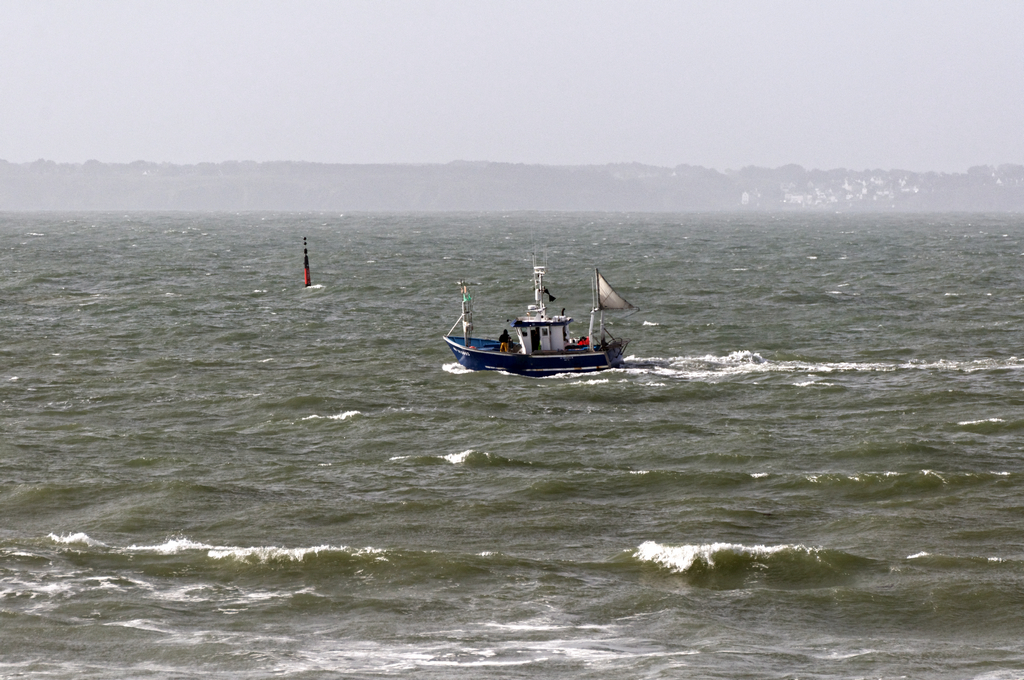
960, 563
471, 457
181, 545
252, 554
890, 483
456, 458
981, 422
731, 565
340, 416
172, 546
682, 558
76, 538
993, 425
264, 555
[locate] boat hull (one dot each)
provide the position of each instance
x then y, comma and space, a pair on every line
483, 355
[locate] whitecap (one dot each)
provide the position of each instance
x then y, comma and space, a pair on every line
172, 546
339, 416
269, 553
979, 422
651, 323
681, 558
917, 555
264, 554
141, 624
79, 537
539, 626
745, 356
456, 458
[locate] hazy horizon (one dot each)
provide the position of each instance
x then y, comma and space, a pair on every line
919, 86
484, 162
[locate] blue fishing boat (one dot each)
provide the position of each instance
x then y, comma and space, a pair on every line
542, 344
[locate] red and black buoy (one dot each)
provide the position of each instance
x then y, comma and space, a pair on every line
305, 257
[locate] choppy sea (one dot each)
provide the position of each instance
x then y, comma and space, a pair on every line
811, 466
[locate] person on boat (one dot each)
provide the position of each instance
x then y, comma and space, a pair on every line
584, 341
505, 341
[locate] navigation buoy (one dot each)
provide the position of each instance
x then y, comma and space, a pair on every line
305, 264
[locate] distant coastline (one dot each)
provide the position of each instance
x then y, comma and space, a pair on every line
486, 186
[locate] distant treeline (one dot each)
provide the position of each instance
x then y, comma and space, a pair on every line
484, 186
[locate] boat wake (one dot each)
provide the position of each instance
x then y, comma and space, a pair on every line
713, 368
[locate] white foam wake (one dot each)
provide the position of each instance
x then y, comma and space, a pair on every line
743, 362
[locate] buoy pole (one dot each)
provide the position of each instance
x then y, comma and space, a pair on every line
305, 264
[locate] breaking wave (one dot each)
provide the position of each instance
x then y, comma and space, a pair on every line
730, 565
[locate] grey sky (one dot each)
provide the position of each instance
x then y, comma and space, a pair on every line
936, 85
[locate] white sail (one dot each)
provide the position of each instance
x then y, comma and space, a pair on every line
607, 298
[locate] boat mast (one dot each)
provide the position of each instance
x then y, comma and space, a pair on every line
467, 312
538, 288
590, 331
305, 263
